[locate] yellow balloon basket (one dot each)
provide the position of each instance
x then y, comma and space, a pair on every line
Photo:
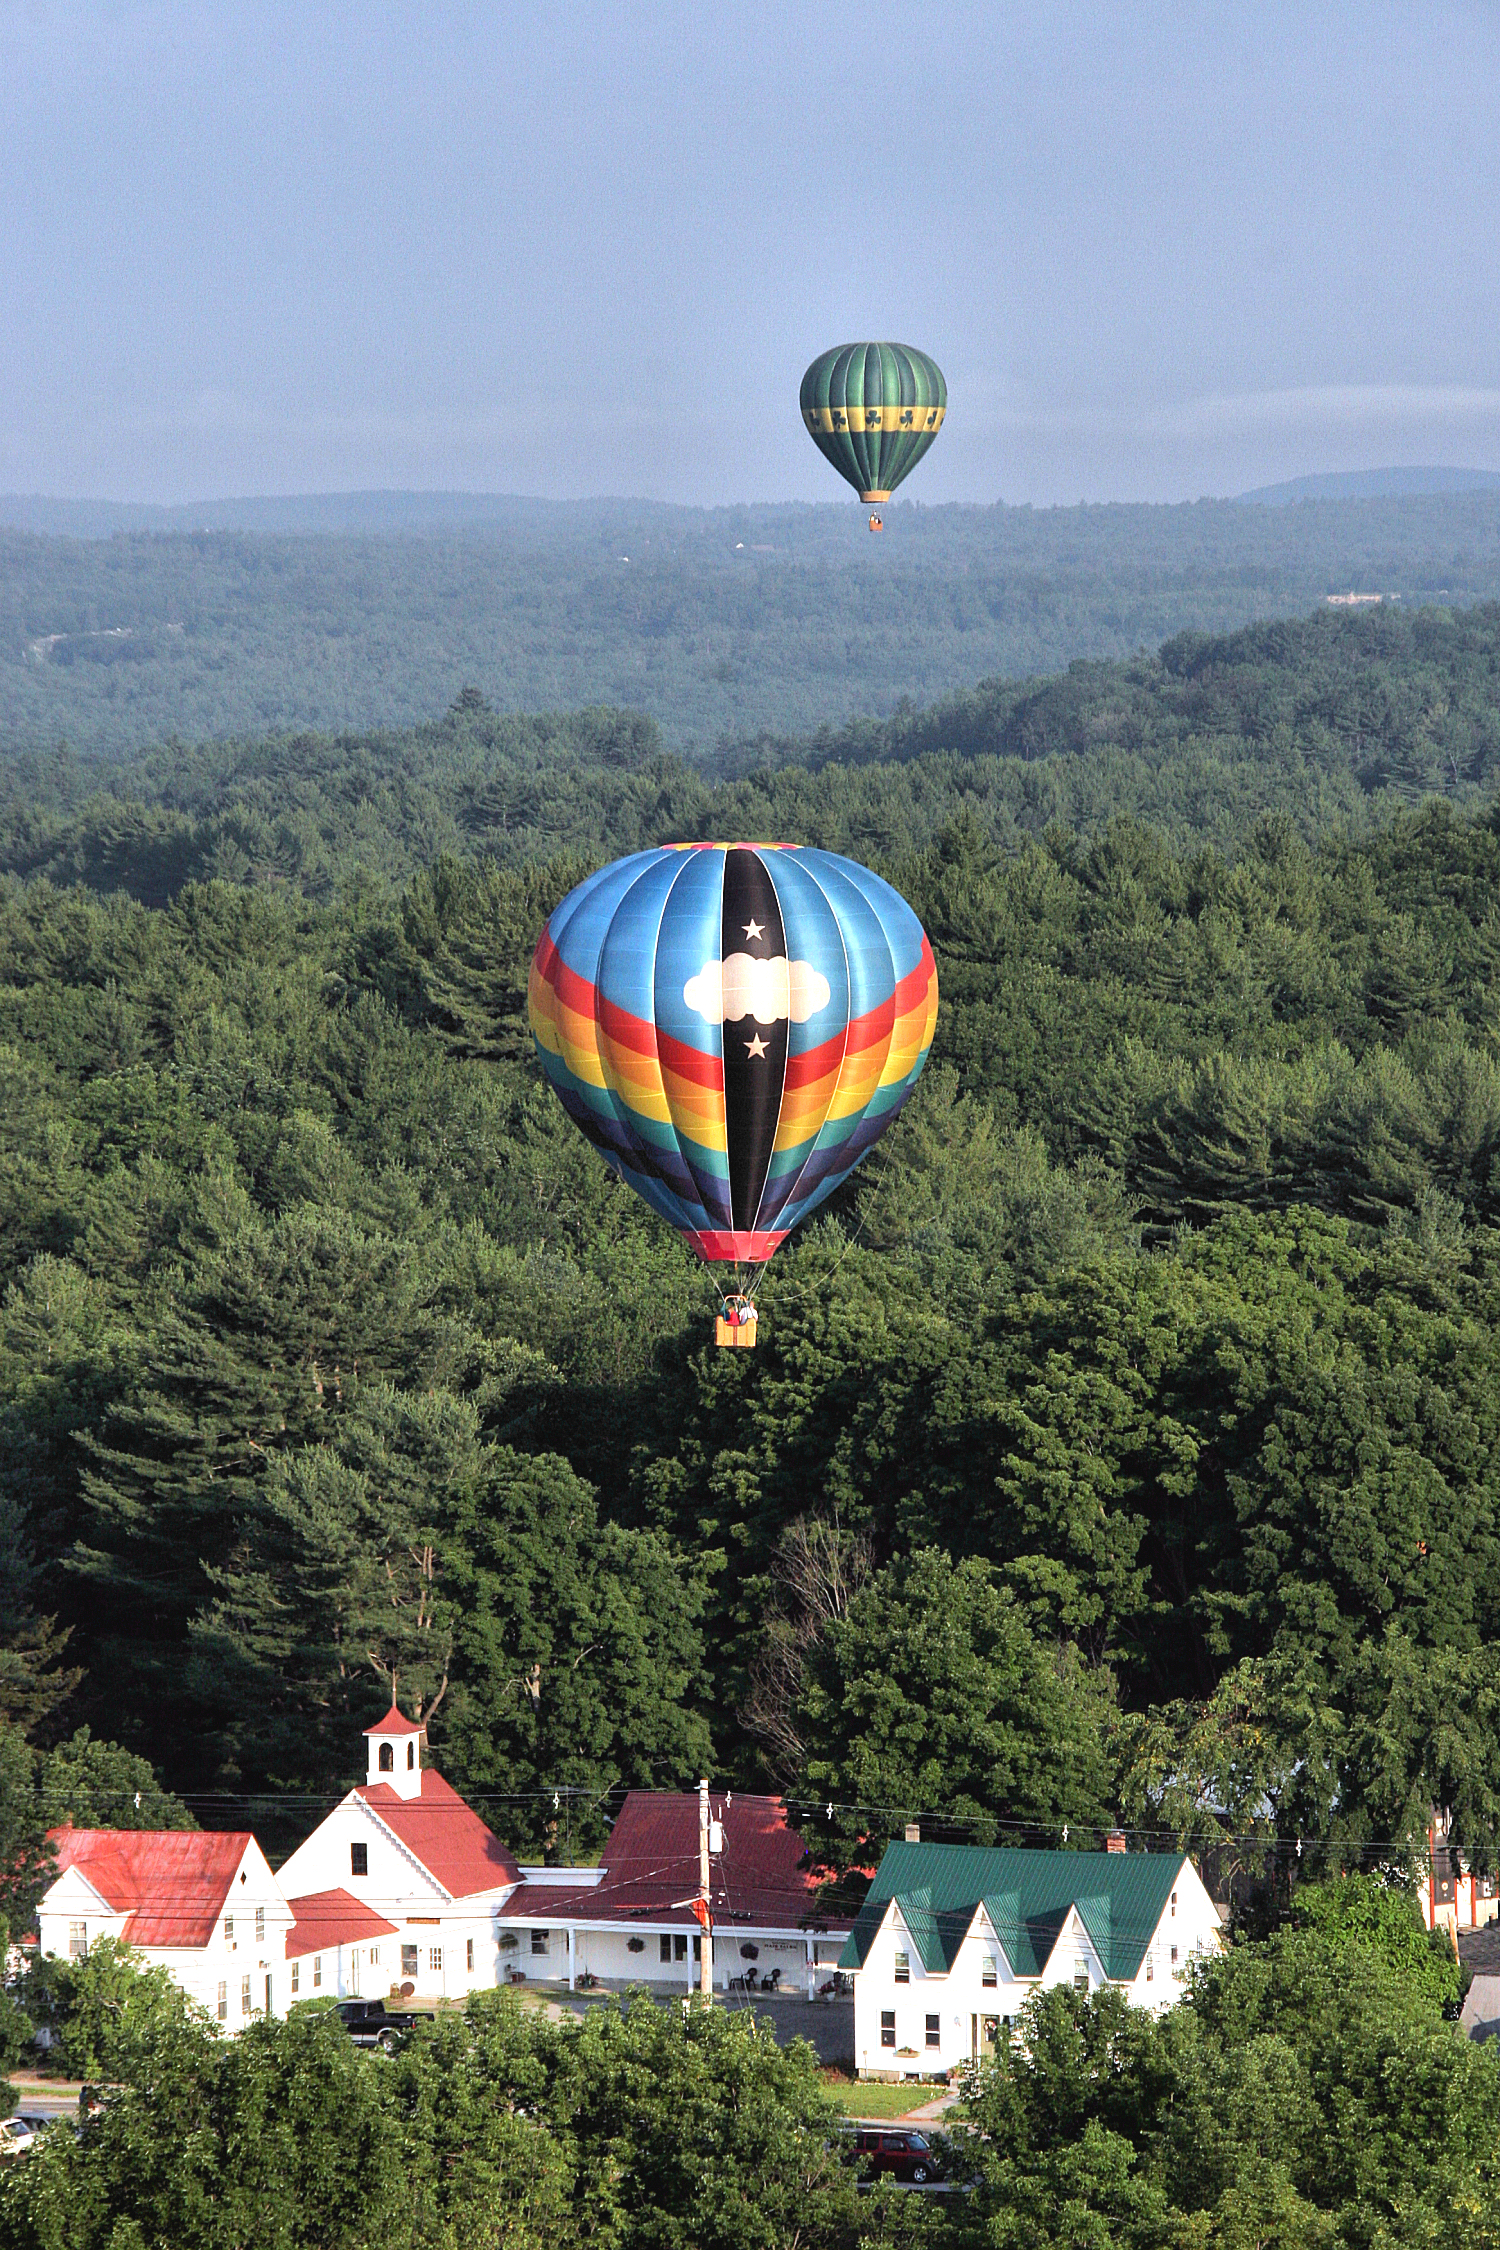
737, 1334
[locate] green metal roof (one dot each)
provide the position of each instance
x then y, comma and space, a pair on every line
939, 1888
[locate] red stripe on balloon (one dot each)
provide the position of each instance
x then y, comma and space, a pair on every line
690, 1062
869, 1030
626, 1029
752, 1246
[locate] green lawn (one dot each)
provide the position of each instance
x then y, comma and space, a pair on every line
857, 2100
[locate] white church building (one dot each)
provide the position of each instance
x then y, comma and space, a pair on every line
403, 1889
407, 1851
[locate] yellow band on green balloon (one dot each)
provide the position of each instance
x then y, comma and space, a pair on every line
893, 418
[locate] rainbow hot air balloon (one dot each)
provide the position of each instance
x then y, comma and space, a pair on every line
873, 410
733, 1026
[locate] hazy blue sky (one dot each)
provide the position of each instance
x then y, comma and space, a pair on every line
1158, 250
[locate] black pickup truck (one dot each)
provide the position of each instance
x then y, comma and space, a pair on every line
370, 2023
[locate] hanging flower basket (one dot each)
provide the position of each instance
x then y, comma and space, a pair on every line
635, 1945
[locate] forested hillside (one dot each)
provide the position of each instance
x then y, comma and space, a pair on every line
717, 623
1330, 721
1125, 1441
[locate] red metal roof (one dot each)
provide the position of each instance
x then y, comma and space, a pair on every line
651, 1869
440, 1830
172, 1883
325, 1919
394, 1723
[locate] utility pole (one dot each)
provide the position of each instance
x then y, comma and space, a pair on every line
706, 1942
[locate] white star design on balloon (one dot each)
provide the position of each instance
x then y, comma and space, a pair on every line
754, 929
755, 1046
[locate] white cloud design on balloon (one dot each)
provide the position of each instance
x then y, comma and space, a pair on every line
771, 991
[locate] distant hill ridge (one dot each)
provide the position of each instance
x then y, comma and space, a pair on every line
720, 624
1374, 484
395, 513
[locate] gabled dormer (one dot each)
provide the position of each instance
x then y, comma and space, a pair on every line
395, 1750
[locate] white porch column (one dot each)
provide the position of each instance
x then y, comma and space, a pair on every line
572, 1956
812, 1974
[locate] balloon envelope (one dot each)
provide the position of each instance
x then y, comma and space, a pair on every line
873, 410
733, 1026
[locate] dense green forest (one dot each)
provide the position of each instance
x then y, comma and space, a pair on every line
720, 624
1330, 721
1123, 1441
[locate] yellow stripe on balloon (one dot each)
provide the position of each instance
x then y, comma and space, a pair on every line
580, 1038
857, 1082
636, 1078
906, 1045
803, 1112
892, 418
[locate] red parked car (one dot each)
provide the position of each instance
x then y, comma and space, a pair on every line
896, 2149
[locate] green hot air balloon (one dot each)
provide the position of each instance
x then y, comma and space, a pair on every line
873, 410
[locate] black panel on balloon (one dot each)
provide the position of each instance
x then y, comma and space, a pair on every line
754, 1052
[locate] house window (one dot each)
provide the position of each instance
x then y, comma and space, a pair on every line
78, 1940
1150, 1967
223, 2000
317, 1970
408, 1960
697, 1949
1080, 1976
1174, 1906
934, 2031
903, 1968
468, 1960
411, 1757
1174, 1956
359, 1859
435, 1958
666, 1946
387, 1758
887, 2027
679, 1946
989, 1972
229, 1929
374, 1957
539, 1941
244, 1996
260, 1925
296, 1977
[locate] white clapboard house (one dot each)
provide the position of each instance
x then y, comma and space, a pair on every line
206, 1908
951, 1940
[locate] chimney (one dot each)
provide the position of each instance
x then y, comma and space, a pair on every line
1115, 1841
914, 1832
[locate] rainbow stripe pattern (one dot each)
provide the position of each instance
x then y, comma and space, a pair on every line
733, 1026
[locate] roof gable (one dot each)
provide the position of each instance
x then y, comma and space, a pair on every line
171, 1883
760, 1880
651, 1859
1028, 1896
444, 1835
